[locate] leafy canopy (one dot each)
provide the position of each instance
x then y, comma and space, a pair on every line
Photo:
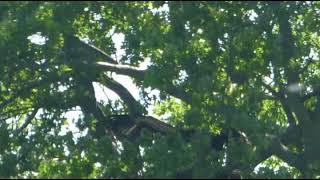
237, 81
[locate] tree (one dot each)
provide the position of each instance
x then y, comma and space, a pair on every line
238, 81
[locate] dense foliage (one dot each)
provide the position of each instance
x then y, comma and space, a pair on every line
238, 82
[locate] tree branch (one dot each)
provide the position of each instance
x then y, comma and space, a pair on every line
277, 147
87, 101
122, 69
287, 52
74, 47
281, 151
279, 96
284, 102
285, 154
298, 108
140, 74
179, 93
156, 124
135, 108
134, 72
27, 120
102, 53
289, 114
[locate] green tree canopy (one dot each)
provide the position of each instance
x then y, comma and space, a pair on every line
238, 82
